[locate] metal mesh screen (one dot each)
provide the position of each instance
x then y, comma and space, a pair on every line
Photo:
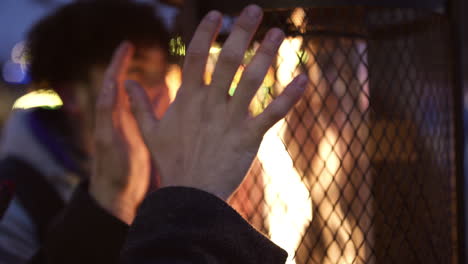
361, 171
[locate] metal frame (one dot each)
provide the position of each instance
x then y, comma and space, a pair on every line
232, 7
460, 77
455, 9
425, 4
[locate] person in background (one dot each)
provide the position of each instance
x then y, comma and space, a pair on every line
49, 154
202, 148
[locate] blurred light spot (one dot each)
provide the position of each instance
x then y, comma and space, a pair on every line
236, 80
14, 73
298, 16
173, 80
269, 78
39, 98
177, 46
215, 49
18, 53
289, 211
288, 61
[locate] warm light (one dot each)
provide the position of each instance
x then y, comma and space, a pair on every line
14, 73
215, 49
236, 80
264, 94
39, 98
288, 198
18, 54
288, 60
326, 166
297, 17
327, 153
177, 47
173, 80
290, 202
290, 207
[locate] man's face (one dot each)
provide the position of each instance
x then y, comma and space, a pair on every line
148, 68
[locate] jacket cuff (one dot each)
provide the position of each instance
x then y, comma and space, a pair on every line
181, 219
85, 233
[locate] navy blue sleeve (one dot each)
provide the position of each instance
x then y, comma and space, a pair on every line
186, 225
85, 233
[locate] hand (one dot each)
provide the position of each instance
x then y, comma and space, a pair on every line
207, 140
121, 171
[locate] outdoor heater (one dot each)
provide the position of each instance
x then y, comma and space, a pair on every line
363, 170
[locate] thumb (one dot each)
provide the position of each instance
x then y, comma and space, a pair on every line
142, 108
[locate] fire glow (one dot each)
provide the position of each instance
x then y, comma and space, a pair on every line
289, 200
289, 211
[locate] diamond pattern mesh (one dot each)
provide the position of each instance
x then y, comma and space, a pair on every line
362, 170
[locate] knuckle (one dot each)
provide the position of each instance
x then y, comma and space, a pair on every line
245, 26
206, 28
268, 49
232, 56
195, 54
252, 77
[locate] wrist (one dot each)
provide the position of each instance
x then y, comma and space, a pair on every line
114, 202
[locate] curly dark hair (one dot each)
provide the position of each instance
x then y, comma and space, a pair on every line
64, 45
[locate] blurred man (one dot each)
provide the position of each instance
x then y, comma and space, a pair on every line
202, 147
49, 152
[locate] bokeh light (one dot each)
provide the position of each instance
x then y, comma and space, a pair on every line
40, 98
14, 73
15, 70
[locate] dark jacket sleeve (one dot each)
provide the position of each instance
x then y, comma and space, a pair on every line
85, 233
185, 225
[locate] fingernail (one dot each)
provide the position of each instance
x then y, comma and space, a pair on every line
254, 11
276, 35
214, 16
302, 81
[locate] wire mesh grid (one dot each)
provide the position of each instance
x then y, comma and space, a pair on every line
361, 171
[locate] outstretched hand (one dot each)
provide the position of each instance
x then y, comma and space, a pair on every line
121, 171
207, 140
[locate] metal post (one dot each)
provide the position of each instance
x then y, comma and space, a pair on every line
233, 7
460, 81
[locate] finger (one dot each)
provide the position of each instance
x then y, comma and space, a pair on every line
233, 51
198, 50
105, 105
116, 73
255, 72
106, 121
120, 61
142, 108
281, 105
